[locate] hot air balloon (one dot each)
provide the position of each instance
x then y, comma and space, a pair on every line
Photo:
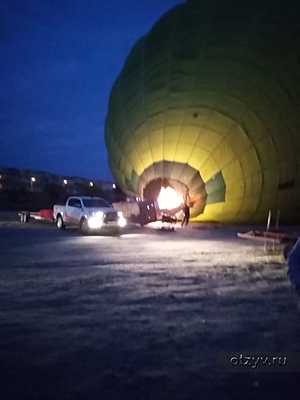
209, 101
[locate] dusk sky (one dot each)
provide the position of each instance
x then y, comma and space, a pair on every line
59, 59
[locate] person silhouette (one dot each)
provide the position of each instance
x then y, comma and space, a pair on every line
186, 209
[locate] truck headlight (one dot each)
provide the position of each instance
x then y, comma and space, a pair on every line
100, 214
96, 220
121, 221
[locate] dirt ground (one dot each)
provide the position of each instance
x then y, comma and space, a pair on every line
147, 315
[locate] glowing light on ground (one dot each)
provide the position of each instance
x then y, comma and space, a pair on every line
155, 225
169, 199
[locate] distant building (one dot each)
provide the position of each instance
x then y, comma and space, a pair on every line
13, 179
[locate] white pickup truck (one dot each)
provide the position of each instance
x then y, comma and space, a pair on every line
89, 214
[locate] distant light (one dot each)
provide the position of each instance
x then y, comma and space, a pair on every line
114, 186
91, 184
0, 176
65, 181
33, 179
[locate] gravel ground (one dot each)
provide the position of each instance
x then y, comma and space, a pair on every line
147, 315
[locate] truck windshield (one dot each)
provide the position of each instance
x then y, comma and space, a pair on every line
94, 203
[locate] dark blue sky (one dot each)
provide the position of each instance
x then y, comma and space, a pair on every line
59, 59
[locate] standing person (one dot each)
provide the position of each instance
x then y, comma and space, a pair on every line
186, 209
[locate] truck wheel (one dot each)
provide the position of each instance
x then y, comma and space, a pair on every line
84, 228
60, 222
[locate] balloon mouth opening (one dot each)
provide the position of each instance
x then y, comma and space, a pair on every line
171, 185
170, 196
167, 192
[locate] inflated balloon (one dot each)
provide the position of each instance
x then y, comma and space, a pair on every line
209, 101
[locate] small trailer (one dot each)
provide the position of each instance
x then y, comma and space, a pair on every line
42, 215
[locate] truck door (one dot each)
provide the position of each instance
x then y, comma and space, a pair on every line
73, 211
